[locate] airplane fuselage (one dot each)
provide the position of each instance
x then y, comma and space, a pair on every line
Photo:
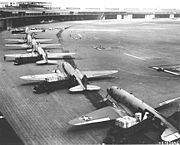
42, 53
72, 72
126, 98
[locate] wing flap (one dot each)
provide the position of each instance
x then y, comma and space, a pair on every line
93, 74
101, 115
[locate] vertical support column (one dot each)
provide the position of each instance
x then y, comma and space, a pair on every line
2, 24
8, 24
171, 16
149, 16
128, 16
119, 17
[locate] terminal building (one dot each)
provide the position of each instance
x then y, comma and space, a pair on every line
25, 4
14, 14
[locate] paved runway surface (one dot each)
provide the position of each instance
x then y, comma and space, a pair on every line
132, 46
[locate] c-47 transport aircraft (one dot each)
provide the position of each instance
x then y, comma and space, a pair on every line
26, 42
128, 112
28, 39
39, 55
27, 30
71, 73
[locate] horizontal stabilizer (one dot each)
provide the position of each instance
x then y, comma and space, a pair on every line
169, 135
92, 88
41, 62
79, 88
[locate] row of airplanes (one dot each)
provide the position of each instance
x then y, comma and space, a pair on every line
122, 107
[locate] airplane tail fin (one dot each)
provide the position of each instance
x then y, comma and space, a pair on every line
170, 135
79, 88
41, 62
84, 81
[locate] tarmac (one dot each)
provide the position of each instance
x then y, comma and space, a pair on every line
132, 47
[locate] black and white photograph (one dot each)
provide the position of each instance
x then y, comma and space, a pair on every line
89, 72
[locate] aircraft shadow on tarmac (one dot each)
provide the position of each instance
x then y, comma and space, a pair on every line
23, 61
45, 87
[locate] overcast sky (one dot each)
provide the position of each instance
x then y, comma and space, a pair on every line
114, 3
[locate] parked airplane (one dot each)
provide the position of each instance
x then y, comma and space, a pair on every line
30, 43
27, 30
39, 55
124, 116
27, 39
71, 73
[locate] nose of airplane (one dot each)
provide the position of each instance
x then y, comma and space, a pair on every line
114, 90
111, 89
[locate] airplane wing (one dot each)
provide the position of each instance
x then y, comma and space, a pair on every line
170, 135
79, 88
94, 74
58, 55
20, 55
18, 45
49, 45
43, 40
101, 115
16, 40
52, 77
